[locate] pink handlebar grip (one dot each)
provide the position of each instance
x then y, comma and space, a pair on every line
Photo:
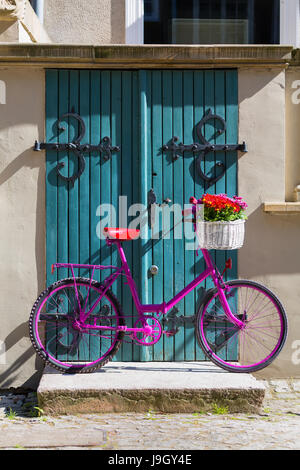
193, 200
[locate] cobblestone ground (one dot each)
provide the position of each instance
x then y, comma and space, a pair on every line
276, 427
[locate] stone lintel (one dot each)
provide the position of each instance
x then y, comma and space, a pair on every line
145, 56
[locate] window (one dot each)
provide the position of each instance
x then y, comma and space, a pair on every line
212, 22
151, 9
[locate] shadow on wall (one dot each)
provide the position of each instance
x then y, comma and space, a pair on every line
28, 159
255, 86
21, 122
8, 377
117, 25
271, 245
18, 112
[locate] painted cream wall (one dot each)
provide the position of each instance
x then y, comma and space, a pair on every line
292, 131
85, 22
271, 251
22, 212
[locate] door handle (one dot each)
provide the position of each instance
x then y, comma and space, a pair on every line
152, 203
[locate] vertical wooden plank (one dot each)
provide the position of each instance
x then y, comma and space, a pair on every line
136, 186
168, 254
231, 167
188, 126
62, 193
73, 169
157, 183
126, 190
116, 136
115, 164
220, 110
199, 190
147, 353
209, 165
95, 167
105, 177
232, 137
51, 175
209, 128
84, 190
51, 185
63, 186
145, 153
73, 222
178, 198
94, 191
209, 132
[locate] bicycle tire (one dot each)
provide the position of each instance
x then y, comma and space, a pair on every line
225, 345
48, 349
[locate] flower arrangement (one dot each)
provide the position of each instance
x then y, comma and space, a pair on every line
220, 207
223, 227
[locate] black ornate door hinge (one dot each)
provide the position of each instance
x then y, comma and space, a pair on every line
204, 147
106, 148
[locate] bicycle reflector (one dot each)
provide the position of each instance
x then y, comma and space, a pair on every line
228, 265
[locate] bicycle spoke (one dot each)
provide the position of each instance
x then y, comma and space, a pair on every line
67, 340
253, 345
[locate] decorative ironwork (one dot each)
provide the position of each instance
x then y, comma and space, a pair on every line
152, 203
174, 322
106, 148
204, 147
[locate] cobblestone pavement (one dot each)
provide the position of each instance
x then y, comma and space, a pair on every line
276, 427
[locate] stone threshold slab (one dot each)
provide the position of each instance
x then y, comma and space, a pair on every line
185, 387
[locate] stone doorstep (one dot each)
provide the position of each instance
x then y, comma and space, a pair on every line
180, 387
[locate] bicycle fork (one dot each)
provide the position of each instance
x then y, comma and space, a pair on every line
218, 281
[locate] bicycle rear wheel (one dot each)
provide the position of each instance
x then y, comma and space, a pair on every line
57, 335
255, 345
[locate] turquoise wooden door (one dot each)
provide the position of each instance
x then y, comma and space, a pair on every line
140, 111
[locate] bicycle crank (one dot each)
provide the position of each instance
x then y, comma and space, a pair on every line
151, 333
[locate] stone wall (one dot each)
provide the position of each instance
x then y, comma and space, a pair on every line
82, 22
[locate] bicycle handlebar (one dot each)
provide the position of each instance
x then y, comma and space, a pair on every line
193, 200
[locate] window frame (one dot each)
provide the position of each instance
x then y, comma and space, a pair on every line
289, 22
134, 22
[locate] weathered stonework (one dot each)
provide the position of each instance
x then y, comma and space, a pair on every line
19, 23
11, 10
63, 402
146, 56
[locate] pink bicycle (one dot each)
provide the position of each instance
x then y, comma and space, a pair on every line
77, 325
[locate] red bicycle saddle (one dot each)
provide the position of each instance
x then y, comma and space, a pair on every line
125, 234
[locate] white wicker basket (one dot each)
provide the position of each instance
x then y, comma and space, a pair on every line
220, 235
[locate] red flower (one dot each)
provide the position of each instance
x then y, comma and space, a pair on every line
222, 201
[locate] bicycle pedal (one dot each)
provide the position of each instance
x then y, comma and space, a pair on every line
170, 333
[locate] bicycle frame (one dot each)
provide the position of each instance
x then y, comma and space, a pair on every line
141, 309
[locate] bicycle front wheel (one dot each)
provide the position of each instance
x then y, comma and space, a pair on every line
57, 334
255, 345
